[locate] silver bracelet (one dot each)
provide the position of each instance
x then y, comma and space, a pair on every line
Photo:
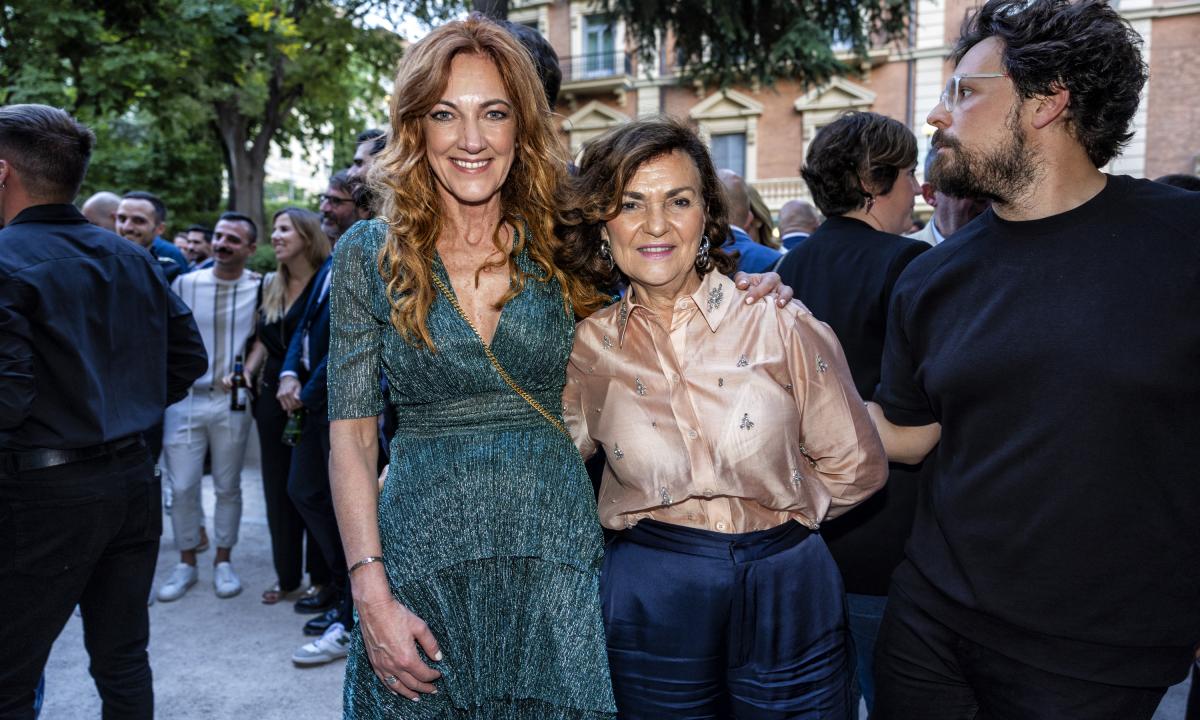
365, 561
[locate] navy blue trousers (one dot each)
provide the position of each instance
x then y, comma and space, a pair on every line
706, 626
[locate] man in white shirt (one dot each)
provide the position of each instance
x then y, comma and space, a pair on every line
224, 300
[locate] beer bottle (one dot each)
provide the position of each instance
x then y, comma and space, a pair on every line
293, 428
237, 396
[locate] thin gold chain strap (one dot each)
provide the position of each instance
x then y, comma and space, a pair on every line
449, 294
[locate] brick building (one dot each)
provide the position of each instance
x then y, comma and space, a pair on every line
763, 133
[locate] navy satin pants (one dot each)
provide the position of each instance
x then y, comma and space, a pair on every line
708, 626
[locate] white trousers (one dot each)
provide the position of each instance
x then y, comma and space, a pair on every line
197, 423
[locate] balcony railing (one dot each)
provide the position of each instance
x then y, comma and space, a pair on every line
596, 66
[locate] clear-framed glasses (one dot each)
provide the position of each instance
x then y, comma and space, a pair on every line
953, 94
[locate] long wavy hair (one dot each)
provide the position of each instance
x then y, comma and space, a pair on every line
407, 189
316, 248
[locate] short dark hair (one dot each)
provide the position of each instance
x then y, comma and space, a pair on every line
238, 217
48, 148
1084, 46
201, 229
854, 158
1180, 180
545, 59
594, 196
340, 181
379, 136
160, 208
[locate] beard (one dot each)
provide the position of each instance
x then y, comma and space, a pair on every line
1002, 174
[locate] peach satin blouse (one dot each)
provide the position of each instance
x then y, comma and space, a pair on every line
735, 418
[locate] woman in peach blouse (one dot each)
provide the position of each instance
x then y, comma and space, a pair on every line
731, 431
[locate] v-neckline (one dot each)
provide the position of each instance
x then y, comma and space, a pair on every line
440, 266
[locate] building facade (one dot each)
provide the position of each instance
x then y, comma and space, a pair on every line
763, 132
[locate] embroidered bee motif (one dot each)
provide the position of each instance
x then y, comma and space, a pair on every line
746, 423
606, 343
821, 366
665, 495
715, 296
624, 316
807, 456
720, 382
618, 453
641, 389
788, 387
797, 478
743, 361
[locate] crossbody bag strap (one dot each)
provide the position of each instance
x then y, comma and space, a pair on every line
449, 295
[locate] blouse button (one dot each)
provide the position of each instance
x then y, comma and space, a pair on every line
708, 492
692, 434
721, 525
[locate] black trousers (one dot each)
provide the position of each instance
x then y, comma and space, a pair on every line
308, 486
926, 671
284, 521
81, 534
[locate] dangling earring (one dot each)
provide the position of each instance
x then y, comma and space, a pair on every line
606, 253
702, 254
870, 203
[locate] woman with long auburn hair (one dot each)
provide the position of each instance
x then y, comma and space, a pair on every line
474, 566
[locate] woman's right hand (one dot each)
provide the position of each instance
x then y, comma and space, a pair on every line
391, 633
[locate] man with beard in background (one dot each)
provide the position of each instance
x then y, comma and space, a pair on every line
1051, 347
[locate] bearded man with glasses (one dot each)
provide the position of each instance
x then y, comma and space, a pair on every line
1049, 351
337, 208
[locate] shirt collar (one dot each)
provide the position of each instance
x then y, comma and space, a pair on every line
57, 213
713, 299
937, 235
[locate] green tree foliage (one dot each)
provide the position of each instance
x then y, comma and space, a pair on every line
171, 84
727, 42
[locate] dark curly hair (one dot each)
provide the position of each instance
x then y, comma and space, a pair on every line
594, 196
1084, 46
855, 158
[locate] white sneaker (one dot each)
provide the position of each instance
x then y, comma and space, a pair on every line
182, 577
327, 648
226, 581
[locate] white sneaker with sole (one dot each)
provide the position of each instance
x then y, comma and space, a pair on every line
182, 577
226, 581
327, 648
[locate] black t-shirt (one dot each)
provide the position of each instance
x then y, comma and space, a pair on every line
844, 273
1062, 358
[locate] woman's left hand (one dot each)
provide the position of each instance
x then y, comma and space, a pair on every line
761, 285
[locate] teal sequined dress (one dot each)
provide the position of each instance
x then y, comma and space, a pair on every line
487, 519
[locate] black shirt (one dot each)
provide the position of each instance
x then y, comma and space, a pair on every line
1062, 358
93, 344
276, 335
844, 272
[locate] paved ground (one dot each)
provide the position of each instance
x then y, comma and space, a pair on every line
223, 659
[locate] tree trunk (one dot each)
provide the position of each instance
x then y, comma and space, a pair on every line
246, 192
495, 9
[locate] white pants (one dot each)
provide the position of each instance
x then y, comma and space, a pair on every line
201, 421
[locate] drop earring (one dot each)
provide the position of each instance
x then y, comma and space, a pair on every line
606, 253
702, 253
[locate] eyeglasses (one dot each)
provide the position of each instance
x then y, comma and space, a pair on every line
333, 200
953, 94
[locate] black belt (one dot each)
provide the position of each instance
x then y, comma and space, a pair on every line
42, 458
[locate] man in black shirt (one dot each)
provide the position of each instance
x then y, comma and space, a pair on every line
93, 346
1052, 346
